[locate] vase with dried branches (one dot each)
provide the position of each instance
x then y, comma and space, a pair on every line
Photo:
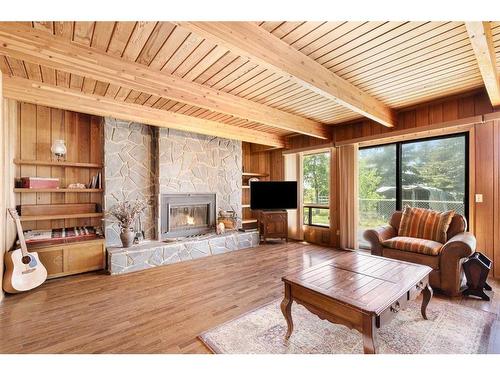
125, 214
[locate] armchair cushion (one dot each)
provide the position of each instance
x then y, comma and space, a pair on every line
425, 224
414, 245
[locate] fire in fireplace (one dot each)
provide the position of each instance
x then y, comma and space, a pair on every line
186, 214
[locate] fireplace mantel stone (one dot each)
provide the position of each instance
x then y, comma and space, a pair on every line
155, 253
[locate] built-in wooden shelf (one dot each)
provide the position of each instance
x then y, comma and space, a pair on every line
248, 221
68, 164
245, 187
250, 174
245, 205
62, 190
60, 217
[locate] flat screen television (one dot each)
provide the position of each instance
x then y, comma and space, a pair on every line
273, 195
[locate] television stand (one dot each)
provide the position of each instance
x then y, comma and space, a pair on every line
273, 224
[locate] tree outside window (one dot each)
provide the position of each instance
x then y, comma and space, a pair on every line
316, 189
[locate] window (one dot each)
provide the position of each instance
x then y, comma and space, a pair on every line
316, 189
430, 173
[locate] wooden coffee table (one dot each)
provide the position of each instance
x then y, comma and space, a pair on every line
360, 291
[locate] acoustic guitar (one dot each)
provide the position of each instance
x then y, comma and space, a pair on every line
23, 269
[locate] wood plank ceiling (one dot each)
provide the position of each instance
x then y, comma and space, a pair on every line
397, 63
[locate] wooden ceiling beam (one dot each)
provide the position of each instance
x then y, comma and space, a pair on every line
47, 50
258, 45
25, 90
482, 44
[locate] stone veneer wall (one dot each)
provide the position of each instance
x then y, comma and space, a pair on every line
142, 161
130, 171
195, 163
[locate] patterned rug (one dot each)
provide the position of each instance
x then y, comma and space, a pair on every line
451, 329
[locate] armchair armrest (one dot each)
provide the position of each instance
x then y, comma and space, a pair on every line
377, 236
461, 245
452, 255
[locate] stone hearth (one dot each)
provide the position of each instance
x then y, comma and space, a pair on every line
155, 253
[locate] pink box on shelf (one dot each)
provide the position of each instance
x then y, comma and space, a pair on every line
39, 183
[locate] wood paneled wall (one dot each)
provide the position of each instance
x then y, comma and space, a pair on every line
303, 141
447, 109
263, 161
487, 182
38, 126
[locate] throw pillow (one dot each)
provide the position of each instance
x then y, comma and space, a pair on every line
426, 224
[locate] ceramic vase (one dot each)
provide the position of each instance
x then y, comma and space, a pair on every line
127, 236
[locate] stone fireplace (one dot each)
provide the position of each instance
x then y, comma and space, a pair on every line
163, 166
186, 179
183, 215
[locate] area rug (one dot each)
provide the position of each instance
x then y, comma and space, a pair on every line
451, 329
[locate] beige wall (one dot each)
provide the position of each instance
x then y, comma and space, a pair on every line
8, 136
2, 188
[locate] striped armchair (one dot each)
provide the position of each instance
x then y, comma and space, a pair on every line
445, 257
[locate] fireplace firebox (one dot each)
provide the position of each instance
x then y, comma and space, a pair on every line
183, 215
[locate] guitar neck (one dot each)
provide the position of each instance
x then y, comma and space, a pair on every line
20, 233
22, 241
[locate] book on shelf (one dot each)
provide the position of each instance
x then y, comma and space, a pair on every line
53, 235
96, 181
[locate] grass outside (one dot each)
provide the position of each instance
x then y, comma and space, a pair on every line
374, 222
319, 216
322, 217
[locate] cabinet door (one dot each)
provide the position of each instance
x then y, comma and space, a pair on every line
275, 227
83, 257
52, 260
276, 223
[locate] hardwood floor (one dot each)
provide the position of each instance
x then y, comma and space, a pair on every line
161, 310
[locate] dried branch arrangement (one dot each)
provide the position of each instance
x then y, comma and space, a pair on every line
126, 213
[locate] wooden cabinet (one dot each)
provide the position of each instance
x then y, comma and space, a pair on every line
71, 258
273, 224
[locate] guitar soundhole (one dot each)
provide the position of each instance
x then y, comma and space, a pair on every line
26, 259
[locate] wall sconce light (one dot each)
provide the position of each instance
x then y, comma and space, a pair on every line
59, 149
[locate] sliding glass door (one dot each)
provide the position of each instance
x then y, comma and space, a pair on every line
377, 186
429, 173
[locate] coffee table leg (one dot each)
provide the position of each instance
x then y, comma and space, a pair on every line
286, 309
427, 295
369, 335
